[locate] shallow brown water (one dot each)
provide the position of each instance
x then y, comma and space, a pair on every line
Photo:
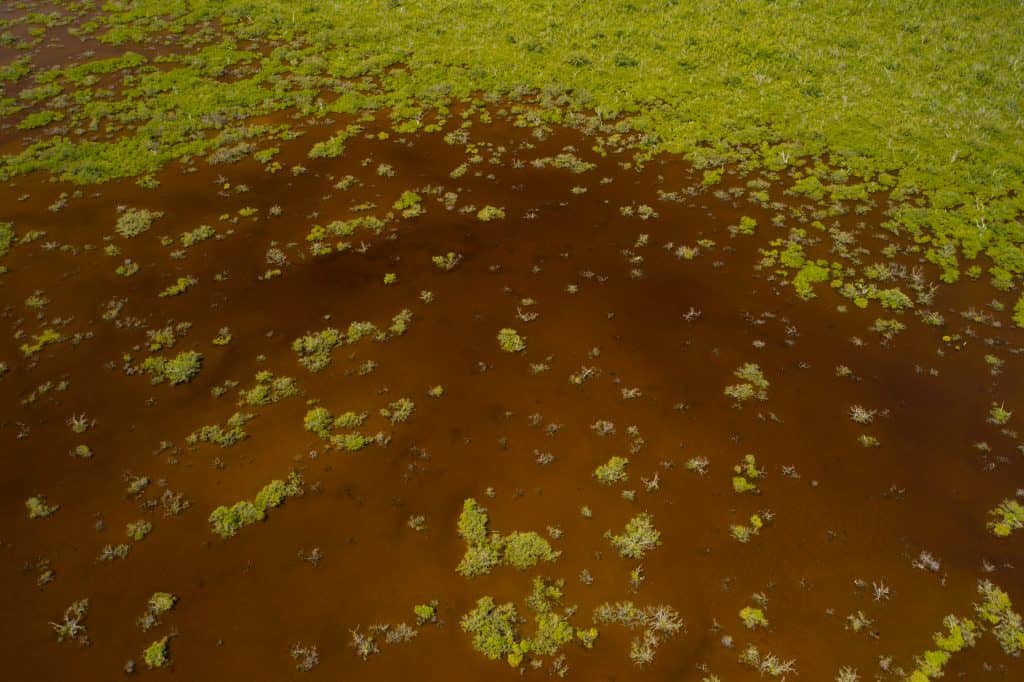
853, 514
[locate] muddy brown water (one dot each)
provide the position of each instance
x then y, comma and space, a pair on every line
853, 514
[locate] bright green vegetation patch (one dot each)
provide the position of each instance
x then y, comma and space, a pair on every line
156, 655
180, 369
200, 234
495, 628
613, 471
753, 384
227, 521
268, 389
753, 617
996, 612
135, 221
961, 633
40, 341
510, 341
639, 537
866, 86
6, 238
746, 472
38, 508
138, 530
488, 549
1007, 517
161, 602
182, 285
314, 349
224, 436
320, 421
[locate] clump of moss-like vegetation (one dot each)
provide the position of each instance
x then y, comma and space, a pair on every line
227, 521
639, 537
180, 369
753, 384
314, 348
398, 411
138, 530
961, 633
158, 604
447, 262
510, 341
409, 204
320, 421
180, 286
996, 612
224, 436
743, 533
42, 340
134, 221
268, 389
1008, 517
613, 471
156, 654
746, 472
487, 549
38, 508
753, 617
489, 213
495, 629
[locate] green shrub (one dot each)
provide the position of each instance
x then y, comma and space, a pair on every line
613, 471
134, 221
37, 507
155, 655
510, 341
180, 369
639, 537
525, 550
227, 521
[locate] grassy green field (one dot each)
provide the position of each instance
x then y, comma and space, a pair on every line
837, 100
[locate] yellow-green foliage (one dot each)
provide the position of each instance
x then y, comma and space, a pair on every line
179, 287
155, 655
268, 389
224, 436
510, 341
227, 521
746, 473
43, 339
1009, 516
487, 549
612, 471
177, 370
753, 617
639, 537
996, 612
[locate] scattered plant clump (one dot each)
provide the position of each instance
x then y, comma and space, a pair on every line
487, 549
180, 369
746, 472
754, 385
268, 389
510, 341
639, 537
134, 221
1009, 516
227, 521
156, 655
613, 471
